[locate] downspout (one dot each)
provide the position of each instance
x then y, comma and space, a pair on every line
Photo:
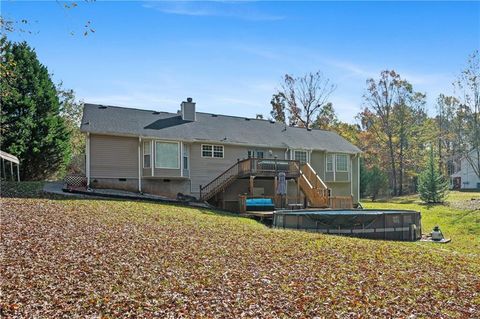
87, 164
139, 164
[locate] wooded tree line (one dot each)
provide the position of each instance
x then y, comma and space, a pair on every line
394, 129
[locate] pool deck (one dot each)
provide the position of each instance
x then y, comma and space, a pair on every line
258, 214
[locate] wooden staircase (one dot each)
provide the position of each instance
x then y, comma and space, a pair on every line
315, 190
220, 183
258, 167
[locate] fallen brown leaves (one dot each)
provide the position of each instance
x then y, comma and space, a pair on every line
97, 258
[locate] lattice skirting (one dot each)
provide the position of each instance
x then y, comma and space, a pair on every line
75, 180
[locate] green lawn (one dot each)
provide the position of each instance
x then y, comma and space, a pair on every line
461, 225
109, 258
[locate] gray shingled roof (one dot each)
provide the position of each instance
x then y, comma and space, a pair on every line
208, 127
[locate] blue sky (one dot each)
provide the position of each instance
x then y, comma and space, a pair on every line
230, 56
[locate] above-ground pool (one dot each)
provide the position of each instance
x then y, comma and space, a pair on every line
402, 225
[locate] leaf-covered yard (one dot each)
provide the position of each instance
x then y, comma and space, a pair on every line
78, 258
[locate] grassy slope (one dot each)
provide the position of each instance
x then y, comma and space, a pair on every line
117, 258
461, 225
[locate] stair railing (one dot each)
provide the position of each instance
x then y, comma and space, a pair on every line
211, 188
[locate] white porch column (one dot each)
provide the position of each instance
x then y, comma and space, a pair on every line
139, 164
18, 172
87, 160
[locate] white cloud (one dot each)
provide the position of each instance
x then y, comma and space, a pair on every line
234, 9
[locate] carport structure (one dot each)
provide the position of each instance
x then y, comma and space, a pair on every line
13, 160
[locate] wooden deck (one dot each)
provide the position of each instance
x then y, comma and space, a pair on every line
258, 214
250, 168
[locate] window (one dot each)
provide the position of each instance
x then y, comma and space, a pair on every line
207, 151
147, 154
185, 162
301, 156
167, 155
330, 162
215, 151
218, 151
341, 164
255, 154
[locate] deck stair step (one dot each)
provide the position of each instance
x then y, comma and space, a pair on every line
313, 187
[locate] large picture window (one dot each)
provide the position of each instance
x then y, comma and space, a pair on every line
215, 151
147, 154
341, 163
167, 155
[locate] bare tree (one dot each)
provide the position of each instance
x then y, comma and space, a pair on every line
394, 112
379, 102
468, 86
9, 25
302, 98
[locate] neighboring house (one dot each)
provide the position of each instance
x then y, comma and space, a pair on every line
465, 177
216, 157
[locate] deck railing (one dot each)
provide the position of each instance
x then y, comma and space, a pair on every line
250, 167
219, 183
268, 167
341, 202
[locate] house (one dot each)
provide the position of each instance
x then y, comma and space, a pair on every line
216, 157
464, 176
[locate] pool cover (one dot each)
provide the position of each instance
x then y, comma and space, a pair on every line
374, 224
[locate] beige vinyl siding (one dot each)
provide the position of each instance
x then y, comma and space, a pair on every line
113, 156
204, 169
317, 161
167, 172
346, 183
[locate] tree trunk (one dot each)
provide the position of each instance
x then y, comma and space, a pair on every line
400, 177
392, 163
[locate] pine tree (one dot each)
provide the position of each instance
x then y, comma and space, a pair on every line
432, 186
31, 125
376, 181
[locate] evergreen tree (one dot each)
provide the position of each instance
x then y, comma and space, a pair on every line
432, 185
31, 125
376, 181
